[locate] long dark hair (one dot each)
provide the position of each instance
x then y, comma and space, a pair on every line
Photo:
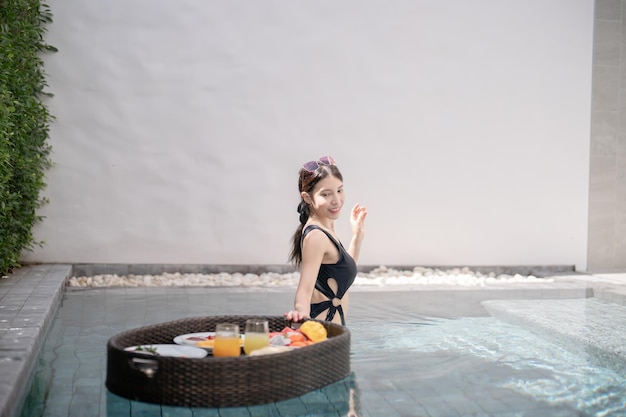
307, 181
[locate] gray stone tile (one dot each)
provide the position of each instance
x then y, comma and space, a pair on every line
8, 395
602, 211
607, 42
601, 250
604, 132
605, 90
603, 179
59, 405
81, 407
24, 321
608, 9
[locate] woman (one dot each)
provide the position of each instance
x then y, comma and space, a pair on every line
326, 269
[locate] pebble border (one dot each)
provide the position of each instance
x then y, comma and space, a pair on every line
380, 276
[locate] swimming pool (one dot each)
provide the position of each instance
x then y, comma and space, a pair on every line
414, 353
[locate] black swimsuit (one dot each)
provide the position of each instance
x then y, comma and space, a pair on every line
344, 272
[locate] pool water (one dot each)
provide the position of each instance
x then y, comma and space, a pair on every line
414, 353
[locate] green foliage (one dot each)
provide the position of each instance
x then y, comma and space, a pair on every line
24, 125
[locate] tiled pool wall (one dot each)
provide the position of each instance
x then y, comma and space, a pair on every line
30, 297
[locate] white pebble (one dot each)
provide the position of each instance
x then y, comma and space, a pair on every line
380, 276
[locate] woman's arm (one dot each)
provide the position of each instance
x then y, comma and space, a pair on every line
313, 250
357, 222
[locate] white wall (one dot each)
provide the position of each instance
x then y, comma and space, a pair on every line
462, 125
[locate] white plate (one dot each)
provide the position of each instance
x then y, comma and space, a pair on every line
170, 350
191, 339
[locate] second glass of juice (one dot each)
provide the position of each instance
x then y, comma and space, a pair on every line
257, 335
227, 341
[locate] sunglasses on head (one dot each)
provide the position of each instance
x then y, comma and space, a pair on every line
311, 166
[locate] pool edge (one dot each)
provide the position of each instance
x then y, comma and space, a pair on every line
30, 297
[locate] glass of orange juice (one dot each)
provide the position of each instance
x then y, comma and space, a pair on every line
257, 335
226, 340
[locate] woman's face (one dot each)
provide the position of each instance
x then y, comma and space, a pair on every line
327, 198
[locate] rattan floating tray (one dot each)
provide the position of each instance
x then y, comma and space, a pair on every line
222, 382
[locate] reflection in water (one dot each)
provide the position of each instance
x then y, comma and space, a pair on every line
339, 399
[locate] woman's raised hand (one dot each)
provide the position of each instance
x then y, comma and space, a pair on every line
357, 220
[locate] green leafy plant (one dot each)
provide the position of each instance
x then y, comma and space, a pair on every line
150, 349
24, 125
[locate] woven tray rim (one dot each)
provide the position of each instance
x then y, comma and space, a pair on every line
325, 362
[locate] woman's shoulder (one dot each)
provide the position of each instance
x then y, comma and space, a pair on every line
312, 227
315, 244
314, 232
320, 238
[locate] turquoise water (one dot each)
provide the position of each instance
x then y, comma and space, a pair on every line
422, 353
